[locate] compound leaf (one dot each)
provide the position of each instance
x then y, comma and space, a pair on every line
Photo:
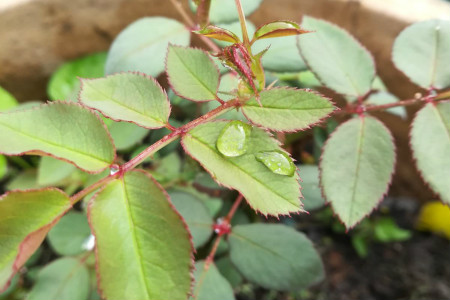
142, 244
430, 142
356, 168
131, 97
287, 109
61, 129
275, 256
265, 191
142, 45
192, 73
25, 219
336, 58
422, 50
278, 29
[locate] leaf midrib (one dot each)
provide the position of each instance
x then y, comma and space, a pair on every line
243, 171
358, 161
213, 94
88, 155
136, 247
112, 99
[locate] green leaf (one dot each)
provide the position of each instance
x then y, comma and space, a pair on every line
126, 135
131, 97
287, 109
282, 55
65, 278
265, 191
64, 84
25, 219
422, 50
23, 181
430, 142
228, 84
7, 101
137, 229
382, 98
278, 29
51, 171
226, 12
65, 130
356, 168
228, 271
3, 166
386, 230
210, 284
142, 45
192, 74
336, 58
195, 214
312, 195
275, 256
69, 234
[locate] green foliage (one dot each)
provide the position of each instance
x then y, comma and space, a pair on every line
65, 278
60, 129
144, 242
142, 45
3, 166
7, 101
211, 284
192, 74
275, 256
131, 219
130, 97
51, 171
427, 45
356, 168
26, 217
287, 109
196, 215
225, 11
312, 195
265, 191
430, 142
64, 84
69, 235
336, 58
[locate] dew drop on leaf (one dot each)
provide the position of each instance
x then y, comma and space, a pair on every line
232, 140
114, 169
277, 161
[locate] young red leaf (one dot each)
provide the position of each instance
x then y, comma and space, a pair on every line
219, 33
278, 29
25, 219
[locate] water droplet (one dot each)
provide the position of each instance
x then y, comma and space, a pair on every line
88, 243
232, 140
277, 161
114, 169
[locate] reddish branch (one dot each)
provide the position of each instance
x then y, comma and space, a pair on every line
192, 26
175, 134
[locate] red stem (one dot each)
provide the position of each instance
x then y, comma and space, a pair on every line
233, 209
188, 20
155, 147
